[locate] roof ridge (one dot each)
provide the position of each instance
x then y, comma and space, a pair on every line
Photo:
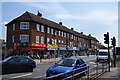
29, 15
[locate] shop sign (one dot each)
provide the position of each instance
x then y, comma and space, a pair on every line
90, 49
62, 48
52, 46
52, 49
70, 48
29, 45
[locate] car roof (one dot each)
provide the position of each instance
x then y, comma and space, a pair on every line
75, 58
19, 56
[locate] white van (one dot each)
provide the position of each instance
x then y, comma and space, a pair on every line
103, 55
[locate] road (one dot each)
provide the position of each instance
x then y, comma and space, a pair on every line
39, 71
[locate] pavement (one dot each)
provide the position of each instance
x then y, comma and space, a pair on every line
51, 60
114, 73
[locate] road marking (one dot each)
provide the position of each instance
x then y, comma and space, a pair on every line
21, 75
40, 76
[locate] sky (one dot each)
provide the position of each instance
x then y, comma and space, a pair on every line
95, 18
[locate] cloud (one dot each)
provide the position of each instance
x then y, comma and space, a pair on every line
3, 23
54, 7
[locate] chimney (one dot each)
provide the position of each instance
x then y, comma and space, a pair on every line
72, 28
89, 34
60, 23
81, 32
39, 14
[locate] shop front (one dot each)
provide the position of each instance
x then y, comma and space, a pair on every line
62, 51
52, 50
32, 49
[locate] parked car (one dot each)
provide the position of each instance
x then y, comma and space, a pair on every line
17, 64
66, 65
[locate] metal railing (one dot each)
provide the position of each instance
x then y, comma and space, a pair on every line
89, 72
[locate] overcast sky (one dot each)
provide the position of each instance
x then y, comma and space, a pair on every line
95, 18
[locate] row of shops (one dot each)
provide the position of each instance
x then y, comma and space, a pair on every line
43, 49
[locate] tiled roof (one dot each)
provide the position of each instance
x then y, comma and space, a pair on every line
27, 16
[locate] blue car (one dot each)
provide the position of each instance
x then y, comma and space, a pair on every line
66, 65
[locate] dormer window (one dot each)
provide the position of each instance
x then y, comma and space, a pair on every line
24, 25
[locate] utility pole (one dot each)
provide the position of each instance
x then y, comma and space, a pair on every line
106, 38
114, 55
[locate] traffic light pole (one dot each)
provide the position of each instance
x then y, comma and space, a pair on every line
114, 56
108, 58
106, 38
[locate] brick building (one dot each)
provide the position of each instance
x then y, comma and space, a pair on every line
33, 33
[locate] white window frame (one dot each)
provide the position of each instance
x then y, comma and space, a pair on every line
42, 40
51, 30
13, 27
48, 40
25, 26
62, 33
37, 39
38, 27
67, 35
59, 33
42, 28
48, 29
24, 40
13, 39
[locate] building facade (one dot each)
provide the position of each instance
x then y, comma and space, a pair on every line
33, 33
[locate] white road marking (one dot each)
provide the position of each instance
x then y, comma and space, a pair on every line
40, 76
21, 75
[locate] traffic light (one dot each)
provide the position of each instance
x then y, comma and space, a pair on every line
106, 38
113, 41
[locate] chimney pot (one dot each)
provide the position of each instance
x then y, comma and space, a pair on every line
72, 28
39, 14
60, 23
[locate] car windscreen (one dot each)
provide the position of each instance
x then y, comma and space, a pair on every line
7, 59
103, 53
66, 62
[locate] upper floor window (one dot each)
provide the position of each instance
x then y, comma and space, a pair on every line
38, 27
42, 40
13, 39
13, 26
48, 29
48, 40
24, 38
51, 30
56, 32
24, 25
42, 28
59, 33
37, 39
67, 35
62, 33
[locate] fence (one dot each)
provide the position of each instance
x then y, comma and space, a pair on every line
89, 72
